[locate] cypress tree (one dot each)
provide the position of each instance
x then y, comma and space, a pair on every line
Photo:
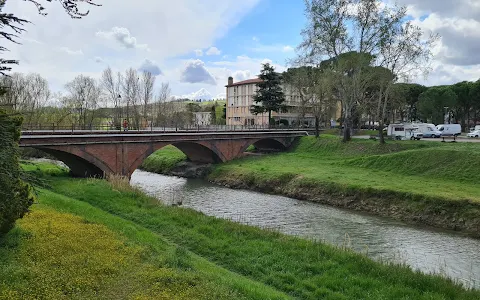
269, 96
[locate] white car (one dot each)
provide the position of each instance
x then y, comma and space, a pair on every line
475, 134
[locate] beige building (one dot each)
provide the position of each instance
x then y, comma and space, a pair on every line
240, 99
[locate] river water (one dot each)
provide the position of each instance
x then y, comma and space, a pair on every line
426, 249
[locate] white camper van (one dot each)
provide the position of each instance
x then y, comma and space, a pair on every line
450, 129
428, 130
404, 131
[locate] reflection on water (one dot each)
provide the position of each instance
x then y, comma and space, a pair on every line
425, 249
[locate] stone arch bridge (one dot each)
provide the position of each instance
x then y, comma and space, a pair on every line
102, 153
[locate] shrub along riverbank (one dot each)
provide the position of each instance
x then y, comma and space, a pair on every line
420, 182
176, 253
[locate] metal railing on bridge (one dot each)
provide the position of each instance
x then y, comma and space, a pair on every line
107, 128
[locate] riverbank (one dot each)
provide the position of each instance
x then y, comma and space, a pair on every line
66, 248
417, 182
243, 262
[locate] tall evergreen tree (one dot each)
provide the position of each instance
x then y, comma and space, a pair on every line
269, 96
15, 195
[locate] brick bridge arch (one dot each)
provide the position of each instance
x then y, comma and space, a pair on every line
100, 159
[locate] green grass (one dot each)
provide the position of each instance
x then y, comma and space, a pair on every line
366, 132
415, 181
218, 108
448, 170
438, 170
42, 169
68, 249
163, 160
264, 263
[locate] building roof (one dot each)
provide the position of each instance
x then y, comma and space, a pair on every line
248, 81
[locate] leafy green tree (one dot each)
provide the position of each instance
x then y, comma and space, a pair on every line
15, 195
269, 96
191, 109
351, 79
435, 103
381, 88
411, 92
464, 102
361, 34
314, 85
475, 98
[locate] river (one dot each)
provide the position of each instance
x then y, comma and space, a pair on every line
426, 249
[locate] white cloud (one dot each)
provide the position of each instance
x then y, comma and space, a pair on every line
457, 22
241, 75
287, 49
196, 72
98, 59
150, 66
213, 51
454, 32
443, 74
160, 24
122, 36
240, 68
198, 52
256, 39
70, 51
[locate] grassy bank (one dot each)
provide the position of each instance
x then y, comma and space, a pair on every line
68, 249
198, 251
163, 161
423, 182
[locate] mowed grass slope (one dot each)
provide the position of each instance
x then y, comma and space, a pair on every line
448, 171
259, 263
67, 249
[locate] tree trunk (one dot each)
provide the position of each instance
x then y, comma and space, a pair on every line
382, 117
381, 138
317, 131
346, 129
269, 118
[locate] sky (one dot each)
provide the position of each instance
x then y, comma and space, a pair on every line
196, 45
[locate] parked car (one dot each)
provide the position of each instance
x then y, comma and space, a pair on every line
474, 134
476, 128
449, 129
